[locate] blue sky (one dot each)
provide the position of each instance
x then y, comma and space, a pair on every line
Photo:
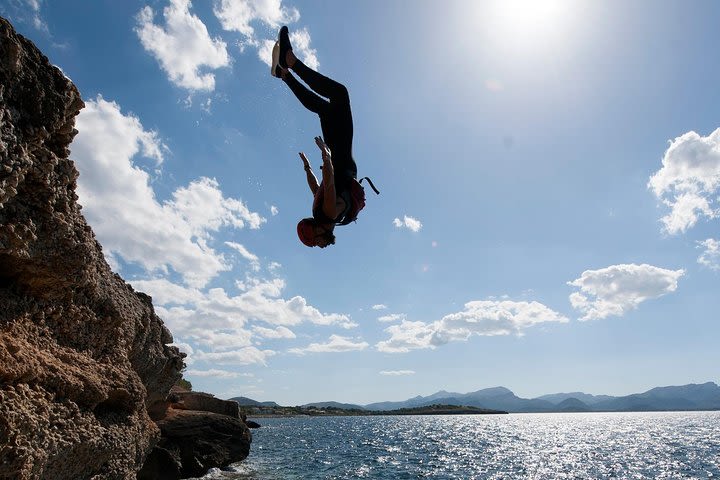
550, 178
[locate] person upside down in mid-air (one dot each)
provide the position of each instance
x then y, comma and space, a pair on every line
332, 200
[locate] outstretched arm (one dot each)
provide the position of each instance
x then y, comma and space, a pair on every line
311, 180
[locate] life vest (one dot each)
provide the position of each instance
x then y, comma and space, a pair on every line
354, 197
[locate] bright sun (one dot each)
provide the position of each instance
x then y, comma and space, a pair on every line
529, 23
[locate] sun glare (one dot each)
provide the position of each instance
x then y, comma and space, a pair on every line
529, 23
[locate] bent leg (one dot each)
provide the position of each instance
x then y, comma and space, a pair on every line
323, 85
309, 100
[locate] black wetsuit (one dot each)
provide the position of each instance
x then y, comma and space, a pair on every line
335, 118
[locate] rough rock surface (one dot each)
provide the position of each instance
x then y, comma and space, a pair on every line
205, 402
193, 442
82, 355
199, 432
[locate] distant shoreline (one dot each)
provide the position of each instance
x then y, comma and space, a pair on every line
279, 412
348, 413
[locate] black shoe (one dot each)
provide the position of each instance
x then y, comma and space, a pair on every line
284, 41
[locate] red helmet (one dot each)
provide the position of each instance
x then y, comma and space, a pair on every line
306, 231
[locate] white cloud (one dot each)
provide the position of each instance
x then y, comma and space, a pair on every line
183, 47
279, 332
252, 258
274, 266
274, 210
483, 317
216, 320
408, 222
206, 327
221, 340
711, 256
379, 306
244, 356
217, 373
119, 202
688, 181
37, 19
391, 317
335, 344
618, 289
397, 373
261, 302
239, 15
408, 336
164, 292
25, 11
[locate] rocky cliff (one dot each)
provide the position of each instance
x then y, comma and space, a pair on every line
82, 355
199, 432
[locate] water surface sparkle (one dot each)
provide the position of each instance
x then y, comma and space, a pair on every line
662, 445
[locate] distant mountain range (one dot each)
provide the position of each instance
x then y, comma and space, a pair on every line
249, 402
704, 396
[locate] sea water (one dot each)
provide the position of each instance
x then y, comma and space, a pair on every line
656, 445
